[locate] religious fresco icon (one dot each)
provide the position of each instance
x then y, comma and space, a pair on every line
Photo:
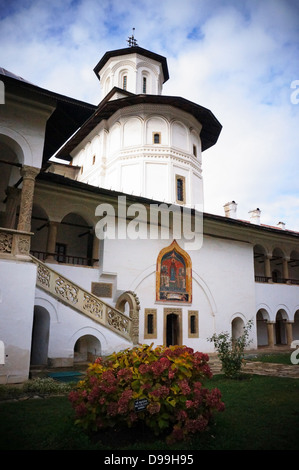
174, 276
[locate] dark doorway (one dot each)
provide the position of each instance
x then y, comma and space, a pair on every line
280, 328
40, 336
172, 329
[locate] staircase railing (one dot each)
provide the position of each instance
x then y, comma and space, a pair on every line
80, 299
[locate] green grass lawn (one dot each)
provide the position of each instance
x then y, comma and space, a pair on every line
262, 413
273, 358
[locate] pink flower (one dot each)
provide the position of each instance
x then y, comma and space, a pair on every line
165, 362
109, 377
184, 386
81, 410
153, 408
112, 409
157, 368
189, 404
182, 415
144, 368
125, 374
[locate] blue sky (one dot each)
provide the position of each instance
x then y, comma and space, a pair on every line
237, 58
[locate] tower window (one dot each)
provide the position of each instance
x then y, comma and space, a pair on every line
194, 150
124, 82
156, 137
144, 85
93, 159
180, 189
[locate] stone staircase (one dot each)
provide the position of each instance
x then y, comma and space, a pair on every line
81, 300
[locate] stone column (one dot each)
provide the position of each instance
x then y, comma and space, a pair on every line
289, 329
29, 174
285, 268
13, 199
268, 266
95, 250
270, 328
51, 241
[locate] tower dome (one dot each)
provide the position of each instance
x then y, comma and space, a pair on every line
139, 141
133, 69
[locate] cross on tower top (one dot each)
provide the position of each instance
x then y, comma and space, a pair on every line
131, 40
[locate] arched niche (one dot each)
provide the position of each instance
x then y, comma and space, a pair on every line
74, 241
237, 327
128, 303
156, 125
179, 136
87, 348
40, 336
174, 275
132, 132
262, 319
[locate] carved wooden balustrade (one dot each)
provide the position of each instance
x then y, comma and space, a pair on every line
82, 300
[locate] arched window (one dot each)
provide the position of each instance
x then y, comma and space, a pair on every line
180, 189
156, 137
143, 84
125, 82
174, 275
150, 323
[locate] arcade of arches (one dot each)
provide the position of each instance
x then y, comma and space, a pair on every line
276, 266
282, 331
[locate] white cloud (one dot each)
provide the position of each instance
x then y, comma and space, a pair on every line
236, 58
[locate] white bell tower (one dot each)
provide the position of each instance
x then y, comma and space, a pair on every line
132, 69
139, 141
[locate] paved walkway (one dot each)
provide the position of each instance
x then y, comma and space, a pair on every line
279, 370
261, 368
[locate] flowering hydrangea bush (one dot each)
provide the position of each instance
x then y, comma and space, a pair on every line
169, 379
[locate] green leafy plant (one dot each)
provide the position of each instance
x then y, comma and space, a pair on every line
231, 350
167, 379
38, 386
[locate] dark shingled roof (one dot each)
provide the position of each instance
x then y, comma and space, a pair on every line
69, 114
7, 73
210, 132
